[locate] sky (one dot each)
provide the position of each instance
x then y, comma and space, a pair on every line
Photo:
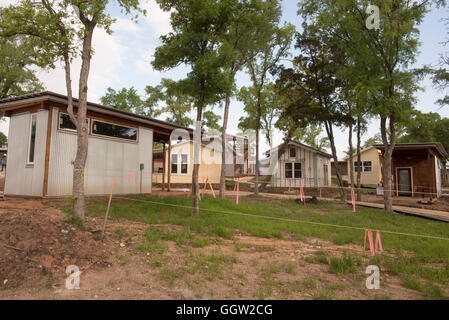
123, 59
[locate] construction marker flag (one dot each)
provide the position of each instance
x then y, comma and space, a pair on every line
378, 242
353, 199
135, 177
128, 176
370, 239
238, 189
303, 197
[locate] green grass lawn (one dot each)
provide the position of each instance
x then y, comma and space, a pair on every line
415, 259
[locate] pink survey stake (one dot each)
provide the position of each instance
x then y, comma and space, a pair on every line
371, 242
353, 199
238, 188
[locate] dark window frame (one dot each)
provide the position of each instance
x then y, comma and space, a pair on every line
92, 123
288, 170
174, 164
290, 152
184, 164
32, 139
295, 170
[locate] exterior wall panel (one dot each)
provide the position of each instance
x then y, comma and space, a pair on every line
107, 159
20, 178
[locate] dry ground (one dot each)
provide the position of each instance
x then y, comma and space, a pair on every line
38, 245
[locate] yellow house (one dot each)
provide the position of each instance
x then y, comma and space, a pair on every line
180, 163
370, 166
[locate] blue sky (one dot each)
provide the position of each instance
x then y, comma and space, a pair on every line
123, 59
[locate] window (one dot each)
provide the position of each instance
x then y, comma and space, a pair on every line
288, 170
367, 166
32, 139
65, 122
114, 130
174, 163
298, 172
184, 163
292, 152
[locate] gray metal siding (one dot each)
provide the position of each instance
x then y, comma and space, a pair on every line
312, 167
22, 179
107, 159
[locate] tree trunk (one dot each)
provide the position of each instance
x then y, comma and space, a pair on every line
256, 185
359, 159
196, 161
223, 147
82, 130
388, 152
330, 135
351, 159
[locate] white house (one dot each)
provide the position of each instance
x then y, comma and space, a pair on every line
300, 164
42, 147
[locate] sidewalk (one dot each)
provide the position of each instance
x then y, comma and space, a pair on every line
431, 214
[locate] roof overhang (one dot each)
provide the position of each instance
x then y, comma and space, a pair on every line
19, 102
435, 146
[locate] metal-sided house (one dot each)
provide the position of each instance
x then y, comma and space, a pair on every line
42, 147
300, 164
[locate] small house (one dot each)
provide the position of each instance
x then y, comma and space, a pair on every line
300, 165
369, 166
181, 159
416, 169
42, 145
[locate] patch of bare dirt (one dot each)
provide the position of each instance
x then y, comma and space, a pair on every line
35, 243
243, 268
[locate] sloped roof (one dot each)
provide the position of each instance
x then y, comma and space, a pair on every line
437, 146
301, 145
49, 95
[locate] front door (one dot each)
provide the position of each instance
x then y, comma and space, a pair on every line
405, 182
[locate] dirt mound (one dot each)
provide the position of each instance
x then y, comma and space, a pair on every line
35, 244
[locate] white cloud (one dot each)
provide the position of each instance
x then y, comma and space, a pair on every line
106, 61
143, 64
156, 18
5, 3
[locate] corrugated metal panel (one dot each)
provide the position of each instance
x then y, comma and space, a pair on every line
20, 179
312, 165
107, 159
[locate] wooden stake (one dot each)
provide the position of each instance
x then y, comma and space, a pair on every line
107, 210
213, 192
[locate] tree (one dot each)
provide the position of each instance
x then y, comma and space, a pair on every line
310, 135
258, 98
382, 55
376, 139
254, 24
177, 104
269, 109
3, 139
199, 32
63, 30
312, 88
129, 100
17, 57
210, 121
426, 127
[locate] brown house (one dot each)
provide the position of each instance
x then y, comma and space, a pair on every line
416, 169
